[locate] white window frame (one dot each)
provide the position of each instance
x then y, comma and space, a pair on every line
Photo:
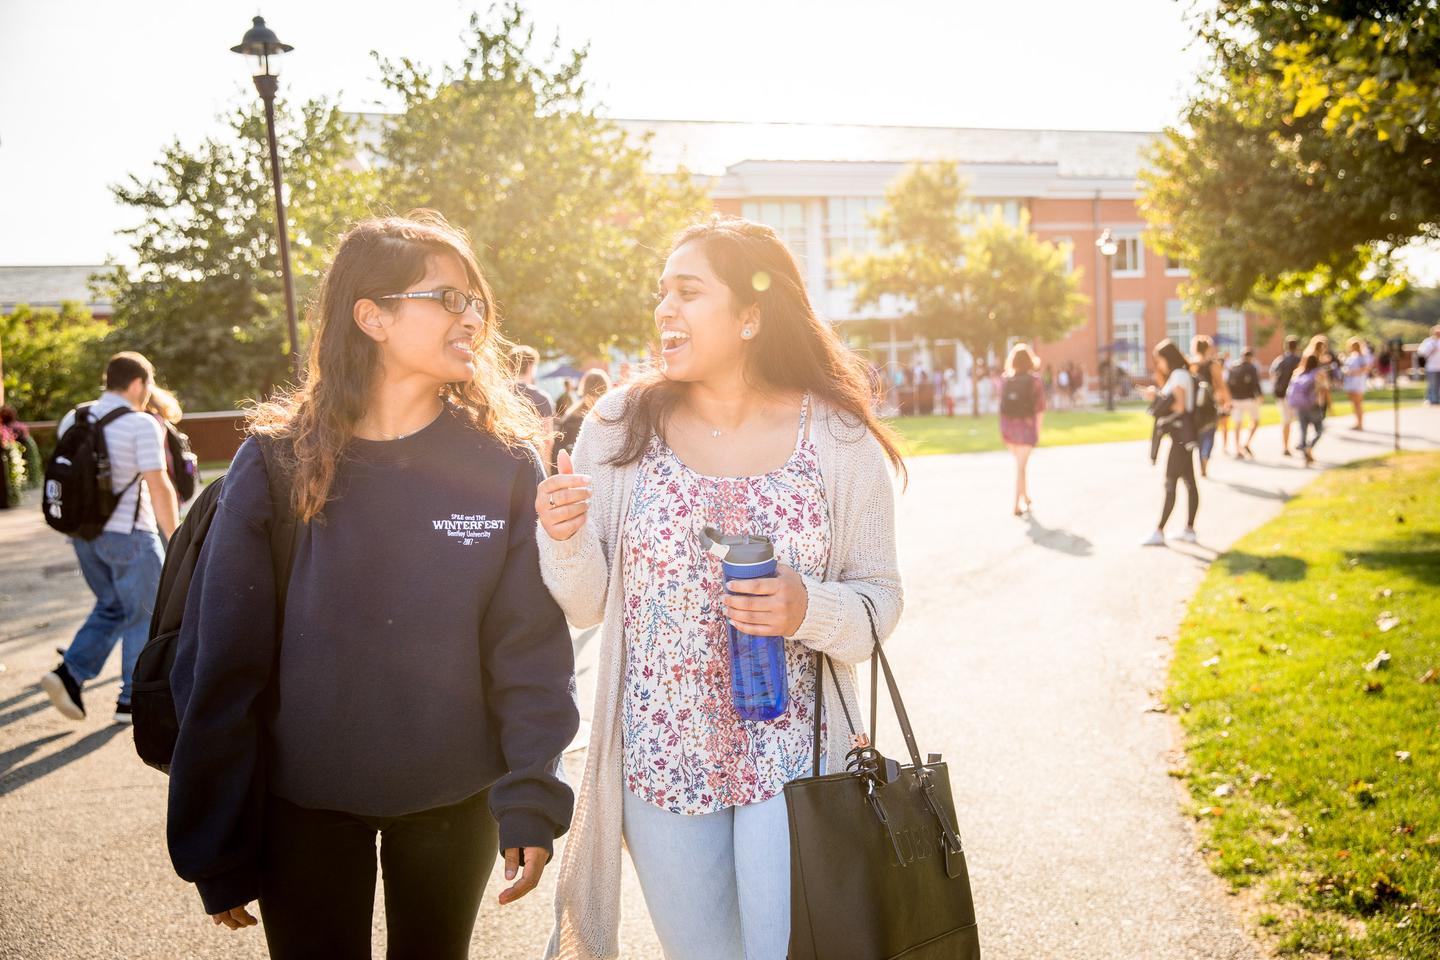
1066, 244
1179, 321
1238, 323
793, 225
1180, 271
1130, 315
1138, 269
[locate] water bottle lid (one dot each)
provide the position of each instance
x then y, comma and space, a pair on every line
740, 548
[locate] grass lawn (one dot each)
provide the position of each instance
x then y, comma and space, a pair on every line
966, 434
1315, 778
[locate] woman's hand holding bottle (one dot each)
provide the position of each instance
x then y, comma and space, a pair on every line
563, 500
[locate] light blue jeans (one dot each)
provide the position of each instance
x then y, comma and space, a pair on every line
717, 885
123, 571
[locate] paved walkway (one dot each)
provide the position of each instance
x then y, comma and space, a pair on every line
1028, 655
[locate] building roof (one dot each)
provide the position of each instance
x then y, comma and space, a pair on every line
712, 147
49, 286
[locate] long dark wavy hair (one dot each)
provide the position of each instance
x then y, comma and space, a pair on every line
317, 420
794, 350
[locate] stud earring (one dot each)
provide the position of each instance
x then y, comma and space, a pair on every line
746, 333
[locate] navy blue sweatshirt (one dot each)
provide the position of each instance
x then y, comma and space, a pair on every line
423, 659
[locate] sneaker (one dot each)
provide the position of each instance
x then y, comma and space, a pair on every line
1286, 453
1156, 539
122, 713
1187, 535
64, 692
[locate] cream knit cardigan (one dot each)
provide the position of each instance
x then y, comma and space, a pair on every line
583, 573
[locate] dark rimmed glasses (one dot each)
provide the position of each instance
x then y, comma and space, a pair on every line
454, 301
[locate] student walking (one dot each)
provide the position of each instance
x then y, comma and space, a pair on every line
181, 466
1309, 396
1243, 382
1356, 368
524, 362
121, 565
1173, 371
759, 422
1022, 408
593, 385
417, 684
1429, 354
1212, 397
1281, 371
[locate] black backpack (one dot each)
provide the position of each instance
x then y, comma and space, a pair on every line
1244, 381
1017, 396
184, 466
151, 700
78, 497
1206, 413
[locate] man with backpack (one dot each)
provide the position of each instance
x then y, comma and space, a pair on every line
106, 487
1281, 372
1245, 393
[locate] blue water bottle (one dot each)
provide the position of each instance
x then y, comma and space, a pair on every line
757, 664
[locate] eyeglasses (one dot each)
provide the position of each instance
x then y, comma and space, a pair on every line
454, 301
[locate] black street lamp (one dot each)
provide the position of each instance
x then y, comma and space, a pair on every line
261, 43
1107, 246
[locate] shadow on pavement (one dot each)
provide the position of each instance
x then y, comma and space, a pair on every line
9, 758
1052, 538
36, 769
1283, 569
1260, 492
8, 718
25, 694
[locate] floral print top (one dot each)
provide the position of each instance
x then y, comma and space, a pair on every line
686, 749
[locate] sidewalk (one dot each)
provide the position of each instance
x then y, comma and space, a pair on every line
1029, 653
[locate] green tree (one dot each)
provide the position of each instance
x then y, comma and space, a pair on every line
1309, 157
981, 282
205, 301
53, 359
568, 225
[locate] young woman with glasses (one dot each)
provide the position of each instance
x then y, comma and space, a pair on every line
418, 683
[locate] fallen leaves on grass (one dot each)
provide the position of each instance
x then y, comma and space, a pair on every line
1387, 621
1430, 676
1381, 661
1402, 755
1374, 686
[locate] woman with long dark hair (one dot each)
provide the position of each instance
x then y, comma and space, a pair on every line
418, 682
1172, 371
759, 421
1022, 410
593, 385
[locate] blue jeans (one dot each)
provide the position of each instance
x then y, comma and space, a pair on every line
1207, 443
717, 885
1432, 386
123, 571
1314, 417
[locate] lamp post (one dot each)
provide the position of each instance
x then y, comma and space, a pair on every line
1107, 246
261, 43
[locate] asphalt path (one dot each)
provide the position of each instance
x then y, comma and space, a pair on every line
1030, 654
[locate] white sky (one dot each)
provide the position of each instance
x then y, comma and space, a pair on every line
90, 90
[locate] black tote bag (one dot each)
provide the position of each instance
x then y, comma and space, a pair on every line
877, 870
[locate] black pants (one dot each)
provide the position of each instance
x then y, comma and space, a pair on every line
317, 883
1180, 465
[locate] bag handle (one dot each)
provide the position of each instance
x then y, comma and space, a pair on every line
877, 659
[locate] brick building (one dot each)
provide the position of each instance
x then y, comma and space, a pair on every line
817, 184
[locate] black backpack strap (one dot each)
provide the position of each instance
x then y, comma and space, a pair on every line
102, 447
284, 526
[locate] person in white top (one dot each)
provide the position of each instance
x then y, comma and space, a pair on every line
1171, 364
121, 565
1429, 353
